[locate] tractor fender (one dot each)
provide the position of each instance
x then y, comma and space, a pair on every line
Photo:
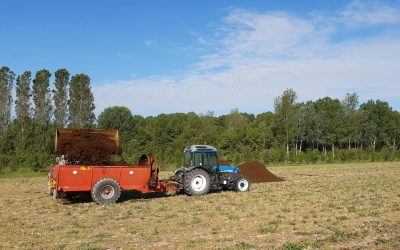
188, 169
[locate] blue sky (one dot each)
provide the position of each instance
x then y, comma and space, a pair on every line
180, 56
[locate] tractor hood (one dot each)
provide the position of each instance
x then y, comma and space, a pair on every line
231, 169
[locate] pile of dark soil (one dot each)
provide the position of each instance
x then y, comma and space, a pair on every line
256, 172
85, 148
223, 163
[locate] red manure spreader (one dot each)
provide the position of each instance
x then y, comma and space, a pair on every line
84, 165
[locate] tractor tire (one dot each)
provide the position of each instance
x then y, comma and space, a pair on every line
106, 191
242, 184
196, 182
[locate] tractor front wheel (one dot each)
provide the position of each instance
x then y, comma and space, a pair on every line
196, 182
106, 191
242, 184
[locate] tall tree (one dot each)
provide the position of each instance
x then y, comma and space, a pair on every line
61, 97
6, 85
23, 94
23, 110
313, 124
330, 111
285, 109
42, 97
351, 119
81, 105
302, 122
265, 124
42, 111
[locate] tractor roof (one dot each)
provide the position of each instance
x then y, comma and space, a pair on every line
200, 148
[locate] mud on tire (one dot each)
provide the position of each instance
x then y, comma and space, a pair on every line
106, 191
196, 182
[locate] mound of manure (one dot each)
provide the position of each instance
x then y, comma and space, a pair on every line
256, 172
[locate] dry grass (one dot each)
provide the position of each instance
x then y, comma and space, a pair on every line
332, 206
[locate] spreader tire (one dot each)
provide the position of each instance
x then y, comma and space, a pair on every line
50, 191
242, 184
106, 191
56, 195
196, 182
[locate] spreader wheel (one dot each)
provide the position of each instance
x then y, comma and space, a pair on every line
56, 194
106, 191
242, 184
50, 191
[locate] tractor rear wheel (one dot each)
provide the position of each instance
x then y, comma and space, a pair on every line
242, 184
106, 191
196, 182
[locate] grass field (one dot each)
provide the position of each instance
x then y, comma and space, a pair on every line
321, 206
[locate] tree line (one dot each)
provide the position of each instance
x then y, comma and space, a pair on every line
27, 134
324, 130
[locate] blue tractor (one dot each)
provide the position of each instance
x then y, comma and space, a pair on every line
201, 173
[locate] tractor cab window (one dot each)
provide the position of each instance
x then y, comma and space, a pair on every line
205, 159
198, 161
187, 161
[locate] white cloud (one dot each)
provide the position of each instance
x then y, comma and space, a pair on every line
369, 12
262, 54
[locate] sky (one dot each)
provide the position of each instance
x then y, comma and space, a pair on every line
181, 56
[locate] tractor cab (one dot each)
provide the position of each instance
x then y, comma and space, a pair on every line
202, 156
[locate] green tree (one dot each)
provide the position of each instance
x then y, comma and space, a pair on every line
330, 111
312, 123
61, 97
285, 110
301, 130
209, 130
351, 119
394, 129
120, 118
6, 85
42, 112
81, 105
23, 111
42, 97
376, 117
265, 126
239, 136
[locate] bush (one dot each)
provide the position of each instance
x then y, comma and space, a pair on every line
26, 160
345, 155
312, 156
273, 155
4, 162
